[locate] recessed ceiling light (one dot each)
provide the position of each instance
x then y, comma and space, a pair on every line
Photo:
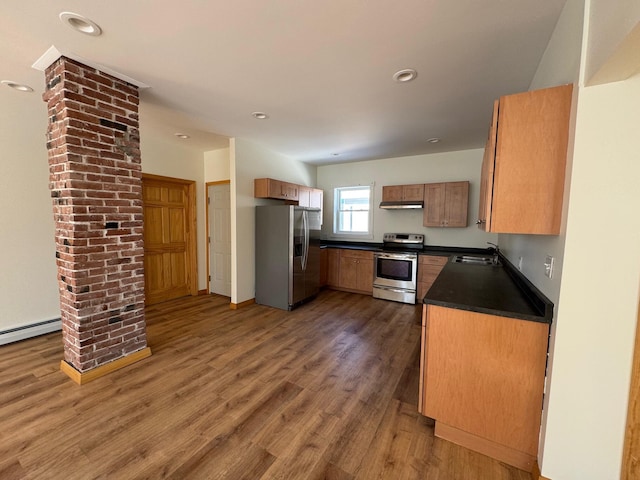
405, 75
17, 86
183, 136
260, 115
433, 140
80, 23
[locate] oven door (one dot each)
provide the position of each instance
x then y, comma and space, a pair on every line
395, 270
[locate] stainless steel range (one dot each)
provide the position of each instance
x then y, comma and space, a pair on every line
395, 268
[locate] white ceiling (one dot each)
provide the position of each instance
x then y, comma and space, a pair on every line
322, 70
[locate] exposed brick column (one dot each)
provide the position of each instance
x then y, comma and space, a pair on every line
96, 187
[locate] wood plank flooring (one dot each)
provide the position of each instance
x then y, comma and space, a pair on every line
328, 391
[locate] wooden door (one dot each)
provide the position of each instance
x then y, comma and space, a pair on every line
219, 207
169, 238
631, 457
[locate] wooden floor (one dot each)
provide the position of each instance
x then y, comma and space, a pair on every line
328, 391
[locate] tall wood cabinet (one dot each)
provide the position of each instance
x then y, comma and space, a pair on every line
445, 204
523, 169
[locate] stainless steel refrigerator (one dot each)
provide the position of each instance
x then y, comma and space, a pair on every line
287, 255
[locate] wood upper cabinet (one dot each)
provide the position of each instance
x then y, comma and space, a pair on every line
482, 380
271, 188
429, 267
406, 193
310, 197
445, 204
523, 170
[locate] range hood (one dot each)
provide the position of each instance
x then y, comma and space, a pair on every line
397, 205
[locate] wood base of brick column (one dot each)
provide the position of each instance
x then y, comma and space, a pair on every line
84, 377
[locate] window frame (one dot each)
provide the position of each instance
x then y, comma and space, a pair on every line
336, 213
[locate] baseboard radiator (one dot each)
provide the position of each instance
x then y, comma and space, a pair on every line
27, 331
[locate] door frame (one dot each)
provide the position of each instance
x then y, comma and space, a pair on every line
191, 233
208, 204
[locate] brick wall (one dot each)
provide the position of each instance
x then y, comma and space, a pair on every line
96, 187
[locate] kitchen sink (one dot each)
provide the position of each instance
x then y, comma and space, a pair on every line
476, 260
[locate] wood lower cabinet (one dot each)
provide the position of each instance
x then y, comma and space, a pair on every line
350, 270
482, 380
446, 204
429, 267
333, 267
356, 270
523, 169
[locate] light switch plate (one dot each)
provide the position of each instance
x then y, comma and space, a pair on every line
548, 266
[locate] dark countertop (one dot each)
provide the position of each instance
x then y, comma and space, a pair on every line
426, 250
494, 290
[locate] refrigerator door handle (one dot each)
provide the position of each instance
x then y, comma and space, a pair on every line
305, 252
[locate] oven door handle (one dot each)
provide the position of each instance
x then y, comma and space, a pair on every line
391, 289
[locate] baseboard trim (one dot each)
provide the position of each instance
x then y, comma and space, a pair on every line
246, 303
204, 291
29, 331
83, 377
536, 474
510, 456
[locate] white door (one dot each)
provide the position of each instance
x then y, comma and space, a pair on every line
220, 239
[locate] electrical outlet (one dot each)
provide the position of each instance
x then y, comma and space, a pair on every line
520, 263
548, 266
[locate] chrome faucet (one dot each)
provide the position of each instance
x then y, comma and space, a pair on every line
497, 254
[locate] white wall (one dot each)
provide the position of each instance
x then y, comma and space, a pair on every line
217, 165
596, 295
611, 55
598, 298
439, 167
28, 284
250, 161
170, 158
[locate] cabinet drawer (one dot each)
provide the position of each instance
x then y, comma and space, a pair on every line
357, 254
432, 260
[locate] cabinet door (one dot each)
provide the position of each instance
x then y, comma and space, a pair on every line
392, 193
413, 192
304, 196
324, 267
530, 161
333, 267
315, 198
485, 375
365, 273
289, 191
348, 272
429, 267
456, 201
434, 197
